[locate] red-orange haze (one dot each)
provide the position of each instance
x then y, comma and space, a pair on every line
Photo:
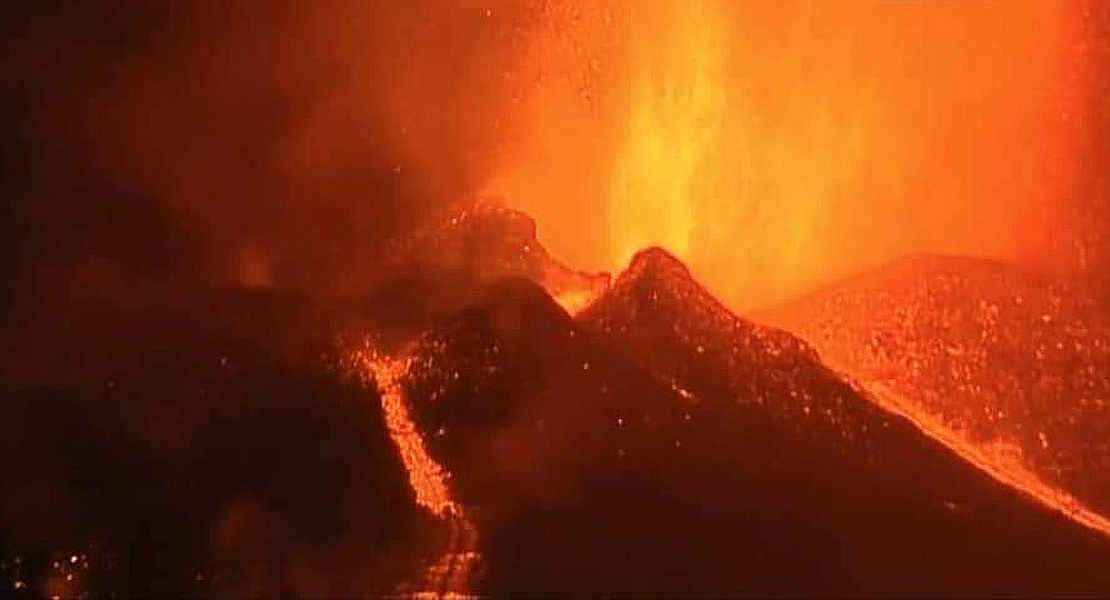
777, 145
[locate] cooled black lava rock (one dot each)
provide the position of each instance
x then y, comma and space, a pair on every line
192, 442
445, 266
1001, 355
660, 444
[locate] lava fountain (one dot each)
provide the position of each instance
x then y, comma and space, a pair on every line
775, 148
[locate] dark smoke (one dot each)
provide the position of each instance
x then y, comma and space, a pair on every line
178, 180
231, 142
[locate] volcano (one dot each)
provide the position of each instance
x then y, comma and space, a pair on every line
656, 442
322, 299
491, 442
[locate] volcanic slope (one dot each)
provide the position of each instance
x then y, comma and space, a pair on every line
1012, 361
657, 443
196, 442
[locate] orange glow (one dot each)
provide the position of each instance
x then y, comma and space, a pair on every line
776, 146
575, 300
449, 575
426, 477
670, 164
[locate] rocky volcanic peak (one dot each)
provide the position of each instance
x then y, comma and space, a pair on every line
445, 267
488, 241
655, 443
678, 331
457, 372
1001, 355
488, 238
657, 263
658, 443
657, 286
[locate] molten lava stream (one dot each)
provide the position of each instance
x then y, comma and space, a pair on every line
1007, 471
448, 576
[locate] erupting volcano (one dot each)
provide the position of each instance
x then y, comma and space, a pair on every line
498, 298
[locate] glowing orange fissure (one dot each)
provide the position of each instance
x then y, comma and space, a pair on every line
574, 301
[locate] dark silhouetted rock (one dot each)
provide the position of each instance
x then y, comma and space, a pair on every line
445, 266
198, 443
660, 444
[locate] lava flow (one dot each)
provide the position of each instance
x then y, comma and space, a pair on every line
448, 576
426, 477
1007, 361
1007, 467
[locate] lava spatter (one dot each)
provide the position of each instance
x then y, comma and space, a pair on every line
996, 355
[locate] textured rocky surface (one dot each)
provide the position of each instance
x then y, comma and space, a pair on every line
658, 443
1007, 358
444, 267
214, 442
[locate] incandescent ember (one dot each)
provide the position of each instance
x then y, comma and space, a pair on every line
1012, 361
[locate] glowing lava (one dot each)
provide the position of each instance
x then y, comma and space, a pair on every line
426, 477
1004, 464
449, 575
774, 147
669, 166
574, 301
